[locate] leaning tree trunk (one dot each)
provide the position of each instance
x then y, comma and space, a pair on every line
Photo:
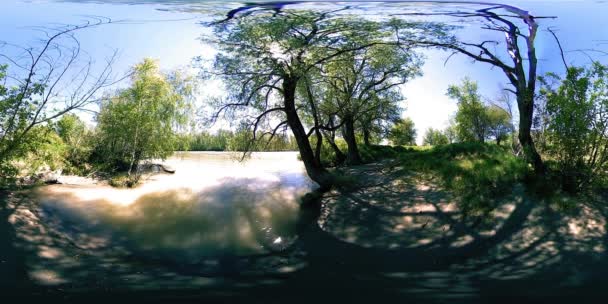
314, 169
352, 156
525, 103
340, 157
366, 136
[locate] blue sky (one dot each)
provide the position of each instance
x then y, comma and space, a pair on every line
171, 37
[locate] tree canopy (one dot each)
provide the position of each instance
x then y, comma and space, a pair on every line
403, 133
140, 122
265, 57
474, 120
433, 137
471, 117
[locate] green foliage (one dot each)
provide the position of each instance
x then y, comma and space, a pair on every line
17, 106
478, 173
499, 123
42, 150
403, 133
16, 141
576, 109
371, 153
141, 122
226, 140
78, 140
471, 118
268, 62
475, 121
24, 149
328, 155
434, 137
122, 180
362, 87
451, 133
205, 141
38, 88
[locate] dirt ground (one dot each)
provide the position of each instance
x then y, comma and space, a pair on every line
392, 236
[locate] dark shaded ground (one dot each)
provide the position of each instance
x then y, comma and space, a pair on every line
394, 237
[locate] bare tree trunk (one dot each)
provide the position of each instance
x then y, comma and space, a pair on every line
525, 103
313, 167
352, 156
313, 108
366, 136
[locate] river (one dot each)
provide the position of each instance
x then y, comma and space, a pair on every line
212, 205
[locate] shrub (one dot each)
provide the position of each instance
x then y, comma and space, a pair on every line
124, 181
576, 125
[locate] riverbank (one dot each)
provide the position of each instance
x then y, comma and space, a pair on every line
395, 233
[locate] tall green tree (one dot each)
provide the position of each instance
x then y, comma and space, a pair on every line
499, 123
472, 121
403, 133
451, 132
263, 58
434, 137
364, 86
141, 121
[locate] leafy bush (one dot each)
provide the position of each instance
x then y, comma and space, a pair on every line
123, 181
434, 137
576, 120
403, 132
41, 150
78, 140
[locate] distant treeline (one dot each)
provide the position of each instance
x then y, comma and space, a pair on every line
227, 140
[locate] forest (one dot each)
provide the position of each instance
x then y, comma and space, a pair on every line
491, 198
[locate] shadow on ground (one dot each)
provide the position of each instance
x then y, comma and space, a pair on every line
394, 236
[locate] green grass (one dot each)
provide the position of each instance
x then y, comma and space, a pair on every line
477, 173
122, 180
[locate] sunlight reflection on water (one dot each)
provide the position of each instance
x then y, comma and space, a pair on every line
212, 205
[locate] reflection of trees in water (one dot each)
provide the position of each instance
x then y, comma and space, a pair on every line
243, 216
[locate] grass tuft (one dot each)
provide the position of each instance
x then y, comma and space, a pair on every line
477, 173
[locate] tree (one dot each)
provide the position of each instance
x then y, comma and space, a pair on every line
265, 56
434, 137
140, 122
521, 72
451, 132
577, 109
78, 140
403, 133
505, 102
364, 88
499, 123
45, 83
472, 121
377, 125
